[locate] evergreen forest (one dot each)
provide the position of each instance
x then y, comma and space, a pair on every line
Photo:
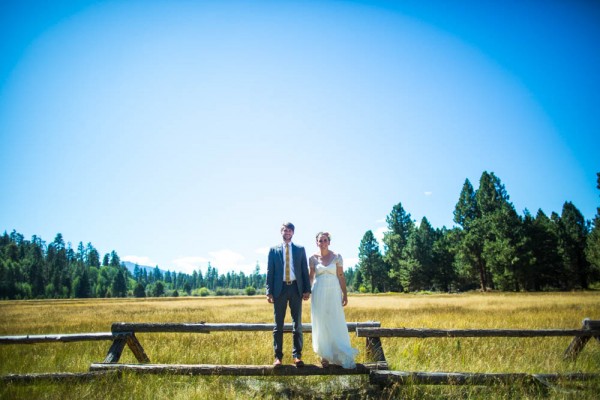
491, 247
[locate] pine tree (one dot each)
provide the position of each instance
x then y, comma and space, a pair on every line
81, 283
371, 262
115, 261
92, 256
470, 241
400, 227
119, 284
443, 252
465, 211
139, 290
417, 267
573, 231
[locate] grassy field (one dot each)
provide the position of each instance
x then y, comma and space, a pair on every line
470, 310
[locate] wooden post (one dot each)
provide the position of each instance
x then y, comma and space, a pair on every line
373, 345
136, 348
375, 350
116, 349
579, 342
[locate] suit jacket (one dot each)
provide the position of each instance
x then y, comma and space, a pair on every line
275, 270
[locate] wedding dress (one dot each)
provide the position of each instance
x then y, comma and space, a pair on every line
330, 337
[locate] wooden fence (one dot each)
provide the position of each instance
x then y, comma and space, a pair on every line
123, 334
590, 329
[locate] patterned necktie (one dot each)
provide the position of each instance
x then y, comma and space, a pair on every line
287, 263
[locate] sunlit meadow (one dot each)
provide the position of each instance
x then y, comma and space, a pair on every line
457, 311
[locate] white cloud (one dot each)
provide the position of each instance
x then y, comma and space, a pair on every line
188, 265
378, 233
427, 193
263, 251
224, 261
139, 260
350, 262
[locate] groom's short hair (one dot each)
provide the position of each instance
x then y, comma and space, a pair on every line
288, 225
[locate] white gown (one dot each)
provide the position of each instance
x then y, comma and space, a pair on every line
330, 337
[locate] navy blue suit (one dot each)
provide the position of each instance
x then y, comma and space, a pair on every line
287, 294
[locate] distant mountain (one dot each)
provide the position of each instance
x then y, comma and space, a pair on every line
130, 267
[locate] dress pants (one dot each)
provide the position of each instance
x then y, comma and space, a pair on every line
289, 295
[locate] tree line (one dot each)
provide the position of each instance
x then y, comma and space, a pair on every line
32, 269
490, 248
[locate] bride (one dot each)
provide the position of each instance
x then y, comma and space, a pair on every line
329, 295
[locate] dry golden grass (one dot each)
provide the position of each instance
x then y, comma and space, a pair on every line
471, 310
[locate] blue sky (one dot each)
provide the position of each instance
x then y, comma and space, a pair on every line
185, 132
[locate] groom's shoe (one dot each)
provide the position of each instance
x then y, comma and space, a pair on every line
298, 362
277, 362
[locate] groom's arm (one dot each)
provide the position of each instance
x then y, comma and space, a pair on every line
269, 284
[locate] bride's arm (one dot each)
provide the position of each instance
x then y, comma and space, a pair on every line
311, 269
339, 263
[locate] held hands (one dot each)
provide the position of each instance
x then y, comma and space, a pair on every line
305, 296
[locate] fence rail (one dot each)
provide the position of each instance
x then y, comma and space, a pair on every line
203, 327
65, 338
437, 333
385, 378
238, 370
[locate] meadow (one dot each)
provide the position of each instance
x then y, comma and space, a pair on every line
444, 311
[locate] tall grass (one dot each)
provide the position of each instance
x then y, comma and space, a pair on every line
473, 310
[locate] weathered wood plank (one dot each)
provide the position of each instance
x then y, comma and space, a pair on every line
238, 370
431, 333
65, 338
59, 376
207, 328
384, 378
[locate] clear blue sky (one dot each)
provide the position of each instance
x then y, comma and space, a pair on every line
183, 132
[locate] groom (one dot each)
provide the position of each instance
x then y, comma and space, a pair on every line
287, 283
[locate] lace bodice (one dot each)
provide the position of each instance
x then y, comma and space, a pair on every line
331, 268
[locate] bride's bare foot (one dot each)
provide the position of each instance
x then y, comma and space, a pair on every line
324, 363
